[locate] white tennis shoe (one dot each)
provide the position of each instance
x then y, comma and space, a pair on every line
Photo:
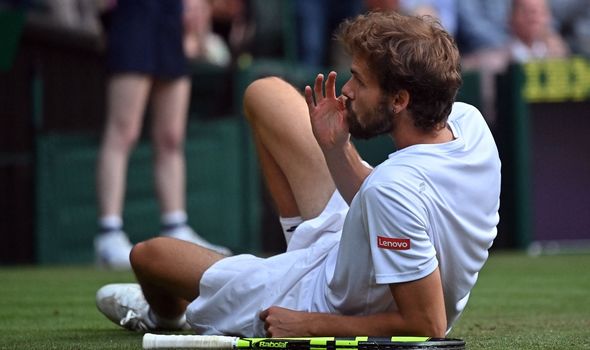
112, 250
186, 233
125, 305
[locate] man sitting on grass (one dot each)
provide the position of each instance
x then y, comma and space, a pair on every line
402, 259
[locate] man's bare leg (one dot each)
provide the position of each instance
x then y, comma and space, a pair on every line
292, 162
169, 271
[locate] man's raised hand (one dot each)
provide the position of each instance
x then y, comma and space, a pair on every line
327, 113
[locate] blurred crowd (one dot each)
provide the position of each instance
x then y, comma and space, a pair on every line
490, 34
509, 29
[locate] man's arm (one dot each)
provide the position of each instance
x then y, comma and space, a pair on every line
421, 312
328, 120
347, 169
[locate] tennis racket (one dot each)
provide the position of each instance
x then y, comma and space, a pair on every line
210, 342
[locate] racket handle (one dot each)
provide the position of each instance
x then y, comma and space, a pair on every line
203, 342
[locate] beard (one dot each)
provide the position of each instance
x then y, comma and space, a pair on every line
379, 121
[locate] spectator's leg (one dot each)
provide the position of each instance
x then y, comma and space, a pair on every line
170, 101
126, 99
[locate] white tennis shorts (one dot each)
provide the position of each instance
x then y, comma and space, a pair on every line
236, 289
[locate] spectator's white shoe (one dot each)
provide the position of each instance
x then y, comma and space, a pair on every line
187, 234
125, 305
112, 250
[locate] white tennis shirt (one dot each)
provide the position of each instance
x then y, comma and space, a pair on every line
427, 205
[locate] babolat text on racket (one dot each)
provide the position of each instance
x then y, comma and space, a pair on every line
210, 342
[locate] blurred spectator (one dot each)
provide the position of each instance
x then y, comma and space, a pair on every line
444, 10
532, 38
79, 15
232, 20
146, 60
482, 24
316, 21
573, 22
200, 42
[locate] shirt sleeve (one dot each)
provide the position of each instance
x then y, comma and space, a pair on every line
397, 222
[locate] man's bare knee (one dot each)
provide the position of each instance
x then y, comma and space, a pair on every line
263, 86
144, 254
263, 90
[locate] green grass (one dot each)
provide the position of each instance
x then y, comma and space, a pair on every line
523, 302
520, 302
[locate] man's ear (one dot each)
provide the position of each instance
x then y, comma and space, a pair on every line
400, 101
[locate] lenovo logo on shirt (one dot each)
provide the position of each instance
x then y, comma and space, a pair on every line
393, 243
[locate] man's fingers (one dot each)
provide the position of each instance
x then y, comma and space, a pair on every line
317, 88
342, 101
331, 85
309, 97
263, 315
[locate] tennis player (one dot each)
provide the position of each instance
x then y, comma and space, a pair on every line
390, 250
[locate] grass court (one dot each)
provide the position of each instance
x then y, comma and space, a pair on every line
519, 302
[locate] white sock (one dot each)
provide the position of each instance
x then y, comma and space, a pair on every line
166, 323
110, 223
173, 220
289, 225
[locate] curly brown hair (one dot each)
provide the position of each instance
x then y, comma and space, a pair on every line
408, 53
